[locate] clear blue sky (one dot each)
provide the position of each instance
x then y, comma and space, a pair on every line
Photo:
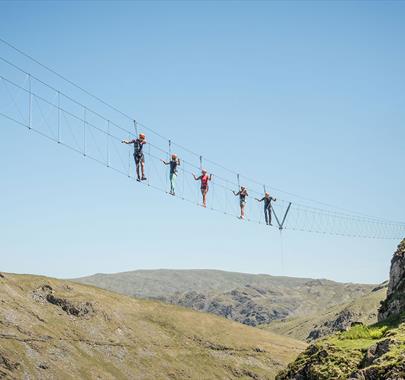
306, 96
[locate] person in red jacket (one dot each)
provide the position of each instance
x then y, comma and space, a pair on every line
204, 178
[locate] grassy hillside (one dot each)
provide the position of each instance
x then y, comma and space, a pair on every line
337, 318
247, 298
59, 329
364, 353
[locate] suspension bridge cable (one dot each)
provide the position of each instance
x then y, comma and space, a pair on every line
100, 162
313, 212
131, 118
377, 228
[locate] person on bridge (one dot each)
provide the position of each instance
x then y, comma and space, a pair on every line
174, 163
138, 155
242, 200
267, 199
204, 178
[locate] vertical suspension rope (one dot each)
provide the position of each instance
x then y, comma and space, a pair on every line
168, 166
129, 157
108, 143
84, 131
201, 162
282, 253
58, 117
213, 194
150, 161
136, 128
182, 168
260, 206
29, 102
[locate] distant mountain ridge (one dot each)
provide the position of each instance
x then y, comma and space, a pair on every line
252, 299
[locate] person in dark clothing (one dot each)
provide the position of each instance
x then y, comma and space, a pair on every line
174, 163
242, 200
267, 199
138, 155
204, 178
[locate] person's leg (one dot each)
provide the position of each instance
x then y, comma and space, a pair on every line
171, 178
173, 183
242, 211
204, 194
266, 217
137, 168
143, 169
269, 211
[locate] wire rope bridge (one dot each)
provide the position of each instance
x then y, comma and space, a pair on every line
35, 104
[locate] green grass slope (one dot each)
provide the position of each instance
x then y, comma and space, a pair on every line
52, 329
314, 326
363, 353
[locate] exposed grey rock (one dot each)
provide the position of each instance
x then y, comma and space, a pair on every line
45, 294
7, 363
70, 308
376, 351
381, 286
342, 322
40, 294
394, 304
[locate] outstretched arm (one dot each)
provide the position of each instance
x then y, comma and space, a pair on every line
211, 177
259, 200
235, 193
127, 141
166, 163
196, 178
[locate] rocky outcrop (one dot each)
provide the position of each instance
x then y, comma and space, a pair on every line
244, 305
353, 355
345, 319
45, 293
362, 352
394, 304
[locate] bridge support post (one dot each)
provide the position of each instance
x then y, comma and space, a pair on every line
281, 224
